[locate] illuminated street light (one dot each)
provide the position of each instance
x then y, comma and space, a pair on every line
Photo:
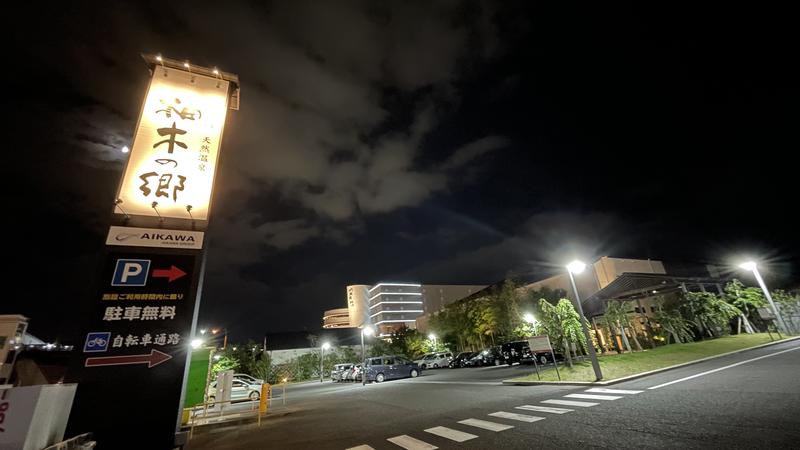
574, 268
325, 346
753, 267
217, 357
125, 149
196, 343
529, 318
366, 331
203, 331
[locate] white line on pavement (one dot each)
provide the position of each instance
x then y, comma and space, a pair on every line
723, 368
449, 433
594, 397
546, 409
613, 391
409, 443
515, 416
570, 403
361, 447
485, 424
483, 383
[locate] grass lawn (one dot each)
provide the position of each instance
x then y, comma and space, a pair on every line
616, 366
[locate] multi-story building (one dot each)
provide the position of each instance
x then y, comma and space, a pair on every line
391, 306
336, 318
394, 305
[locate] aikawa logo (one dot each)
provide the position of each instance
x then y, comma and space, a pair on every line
125, 236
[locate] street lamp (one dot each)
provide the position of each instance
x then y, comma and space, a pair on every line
575, 268
203, 331
367, 330
753, 267
528, 317
196, 343
325, 345
433, 338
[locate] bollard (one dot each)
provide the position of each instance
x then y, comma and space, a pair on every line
263, 402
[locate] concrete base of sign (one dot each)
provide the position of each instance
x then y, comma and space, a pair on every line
643, 374
35, 417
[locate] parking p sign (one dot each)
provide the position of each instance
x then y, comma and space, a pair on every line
131, 272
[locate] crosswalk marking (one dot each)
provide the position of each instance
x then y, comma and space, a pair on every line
449, 433
546, 409
594, 396
409, 443
361, 447
485, 424
570, 403
515, 416
613, 391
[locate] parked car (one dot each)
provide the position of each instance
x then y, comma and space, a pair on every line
492, 356
339, 370
389, 367
435, 360
353, 373
248, 378
240, 391
461, 359
516, 352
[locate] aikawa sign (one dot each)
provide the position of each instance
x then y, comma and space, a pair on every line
154, 237
173, 159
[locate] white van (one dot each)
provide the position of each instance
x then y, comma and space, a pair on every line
435, 360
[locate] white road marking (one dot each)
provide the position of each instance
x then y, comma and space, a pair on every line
570, 403
449, 433
485, 424
418, 381
515, 416
409, 443
613, 391
723, 368
546, 409
594, 397
361, 447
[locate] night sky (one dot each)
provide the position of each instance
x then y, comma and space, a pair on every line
440, 142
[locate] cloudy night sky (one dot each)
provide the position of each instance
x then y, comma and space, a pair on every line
440, 142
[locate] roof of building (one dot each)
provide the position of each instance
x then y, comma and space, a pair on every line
630, 286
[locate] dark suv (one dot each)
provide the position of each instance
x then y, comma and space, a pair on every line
490, 357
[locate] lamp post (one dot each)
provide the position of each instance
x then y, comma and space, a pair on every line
574, 268
367, 330
433, 338
325, 345
751, 266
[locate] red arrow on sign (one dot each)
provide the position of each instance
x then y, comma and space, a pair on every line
153, 359
173, 273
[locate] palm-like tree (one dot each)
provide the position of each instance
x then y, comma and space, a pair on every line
618, 317
674, 323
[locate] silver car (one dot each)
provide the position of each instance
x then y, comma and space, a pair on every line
240, 391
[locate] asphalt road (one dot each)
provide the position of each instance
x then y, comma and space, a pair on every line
730, 402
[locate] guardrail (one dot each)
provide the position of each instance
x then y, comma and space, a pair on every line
199, 413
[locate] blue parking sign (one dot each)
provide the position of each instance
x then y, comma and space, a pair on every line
97, 342
131, 272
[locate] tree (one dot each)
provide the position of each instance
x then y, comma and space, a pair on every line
747, 299
225, 362
710, 312
789, 306
673, 322
563, 324
618, 317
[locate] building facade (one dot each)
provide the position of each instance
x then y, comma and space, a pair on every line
336, 318
390, 306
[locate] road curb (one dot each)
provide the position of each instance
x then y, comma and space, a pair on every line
643, 374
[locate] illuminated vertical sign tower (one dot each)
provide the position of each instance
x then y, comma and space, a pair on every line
139, 326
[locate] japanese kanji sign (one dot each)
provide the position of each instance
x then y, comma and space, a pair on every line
174, 153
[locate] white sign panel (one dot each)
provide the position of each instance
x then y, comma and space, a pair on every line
175, 149
154, 237
539, 343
